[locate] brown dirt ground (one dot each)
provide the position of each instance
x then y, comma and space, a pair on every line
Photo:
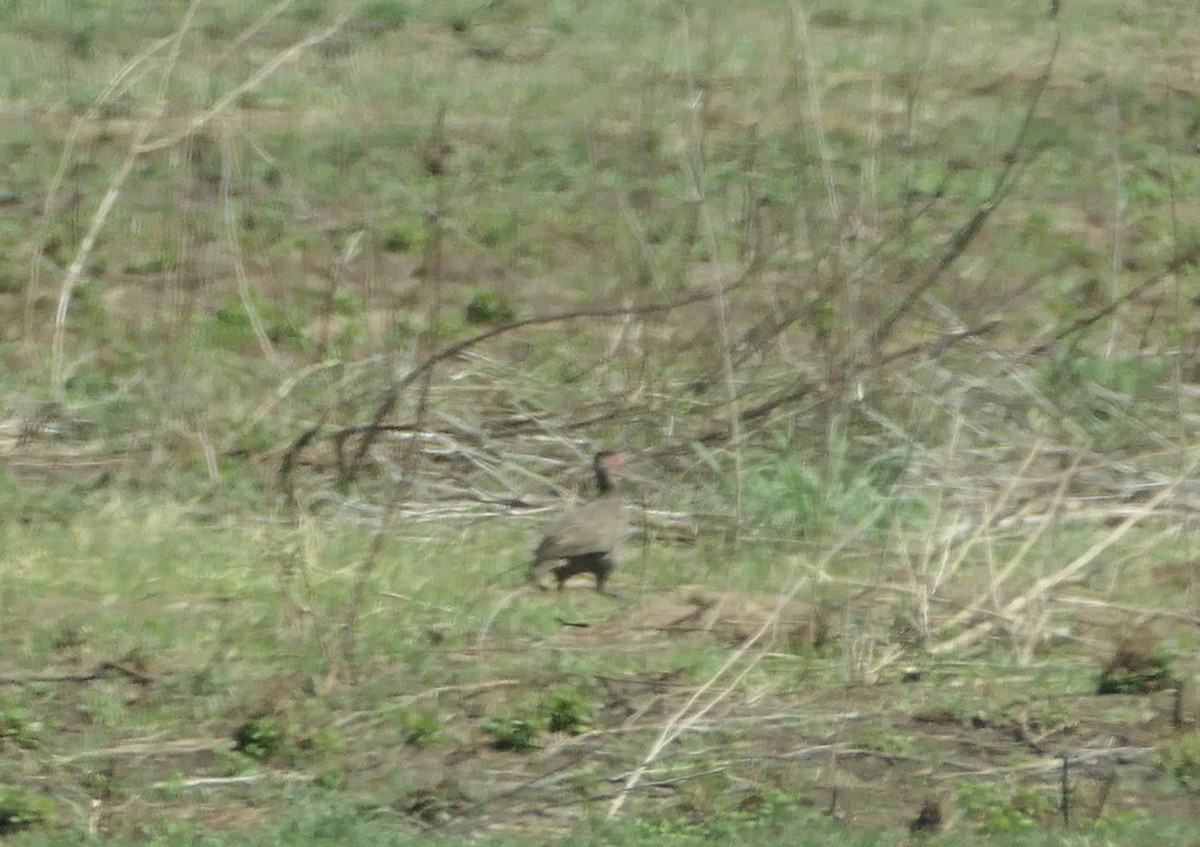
870, 754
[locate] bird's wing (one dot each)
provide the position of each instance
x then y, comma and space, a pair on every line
597, 527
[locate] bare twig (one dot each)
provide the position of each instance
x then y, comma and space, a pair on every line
1005, 182
696, 706
244, 779
256, 79
1040, 588
116, 182
694, 169
392, 396
433, 265
175, 747
102, 670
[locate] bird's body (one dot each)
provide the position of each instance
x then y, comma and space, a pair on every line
585, 539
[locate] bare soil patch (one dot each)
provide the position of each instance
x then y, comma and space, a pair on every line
728, 616
871, 756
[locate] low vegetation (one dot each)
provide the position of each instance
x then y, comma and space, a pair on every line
314, 313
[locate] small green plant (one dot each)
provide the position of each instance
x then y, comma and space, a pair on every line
70, 634
420, 729
171, 789
1131, 376
997, 809
511, 732
320, 742
566, 710
150, 262
308, 12
1180, 760
21, 810
406, 235
206, 682
260, 737
1106, 397
786, 492
488, 307
1137, 669
101, 781
331, 779
878, 737
102, 708
229, 763
81, 42
17, 727
231, 327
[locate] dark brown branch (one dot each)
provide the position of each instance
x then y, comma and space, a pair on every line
798, 390
765, 331
967, 232
102, 670
392, 396
433, 264
1187, 257
288, 463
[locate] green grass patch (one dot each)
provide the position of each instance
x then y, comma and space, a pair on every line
911, 309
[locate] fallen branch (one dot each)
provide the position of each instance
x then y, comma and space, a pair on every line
1142, 611
102, 670
392, 396
1040, 588
702, 702
178, 747
244, 779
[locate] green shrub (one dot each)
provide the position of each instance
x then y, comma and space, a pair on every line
420, 728
787, 492
566, 710
260, 737
488, 307
20, 810
510, 732
1136, 669
18, 728
1180, 760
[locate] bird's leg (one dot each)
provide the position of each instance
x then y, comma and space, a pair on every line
603, 588
604, 567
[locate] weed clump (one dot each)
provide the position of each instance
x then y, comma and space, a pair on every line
260, 737
511, 732
21, 810
18, 728
566, 710
996, 810
420, 729
1180, 760
1139, 666
488, 307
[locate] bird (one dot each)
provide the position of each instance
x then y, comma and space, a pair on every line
585, 539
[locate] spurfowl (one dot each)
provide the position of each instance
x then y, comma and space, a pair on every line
585, 539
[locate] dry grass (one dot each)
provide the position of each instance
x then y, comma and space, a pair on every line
892, 317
